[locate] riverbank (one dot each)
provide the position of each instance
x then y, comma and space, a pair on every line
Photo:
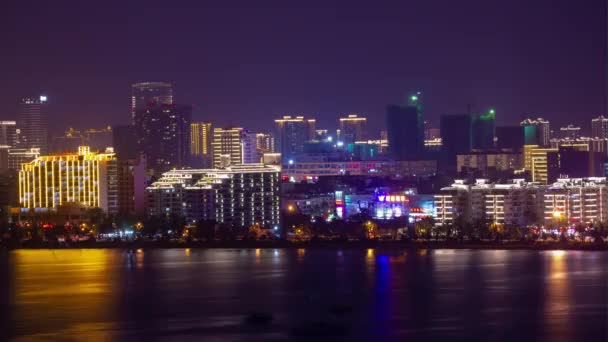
337, 245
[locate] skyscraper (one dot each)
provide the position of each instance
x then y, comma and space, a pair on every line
8, 133
483, 130
352, 128
250, 148
599, 127
265, 143
292, 133
456, 135
233, 146
33, 123
535, 162
122, 141
570, 132
200, 139
163, 135
510, 137
536, 132
201, 153
150, 93
405, 129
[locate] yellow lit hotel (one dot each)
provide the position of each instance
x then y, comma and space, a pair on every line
87, 178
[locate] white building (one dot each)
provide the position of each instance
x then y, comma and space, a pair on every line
520, 203
577, 200
512, 203
599, 127
452, 202
238, 195
235, 145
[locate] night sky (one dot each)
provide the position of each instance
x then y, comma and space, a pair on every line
248, 62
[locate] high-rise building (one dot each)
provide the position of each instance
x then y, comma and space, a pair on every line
570, 132
132, 182
250, 148
576, 200
582, 144
84, 178
200, 139
536, 163
33, 123
8, 194
233, 146
405, 129
8, 133
238, 195
536, 132
12, 158
489, 164
456, 138
599, 127
483, 130
123, 141
512, 203
265, 143
292, 133
146, 94
352, 129
163, 136
201, 153
510, 137
573, 162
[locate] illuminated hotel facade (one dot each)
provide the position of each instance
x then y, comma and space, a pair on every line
535, 162
581, 200
519, 203
233, 146
238, 195
88, 179
200, 138
510, 203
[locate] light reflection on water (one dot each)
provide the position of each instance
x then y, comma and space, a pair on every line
189, 294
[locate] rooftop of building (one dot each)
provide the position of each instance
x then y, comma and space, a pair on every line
579, 182
562, 183
206, 177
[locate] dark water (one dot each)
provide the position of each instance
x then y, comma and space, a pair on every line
204, 295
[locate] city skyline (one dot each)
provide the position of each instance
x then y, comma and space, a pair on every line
506, 68
320, 170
